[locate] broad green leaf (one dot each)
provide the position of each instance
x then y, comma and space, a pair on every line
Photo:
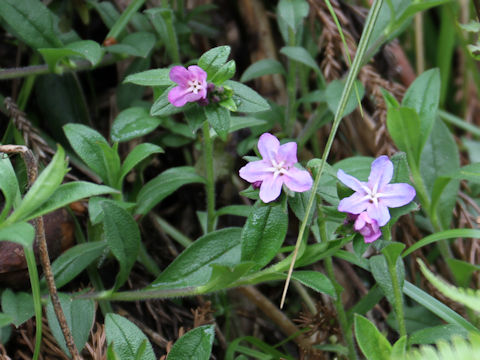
334, 91
32, 22
198, 341
19, 306
380, 271
462, 271
316, 281
237, 210
68, 193
123, 238
132, 123
300, 54
163, 185
372, 343
292, 12
225, 72
423, 96
155, 77
433, 334
193, 266
73, 261
261, 68
247, 100
401, 173
392, 251
298, 203
125, 338
399, 349
5, 320
86, 143
8, 186
213, 60
80, 316
138, 154
43, 188
163, 107
263, 234
21, 233
403, 125
470, 172
224, 275
136, 44
85, 49
95, 210
219, 119
242, 122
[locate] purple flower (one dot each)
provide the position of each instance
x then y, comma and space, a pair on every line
368, 227
276, 168
376, 195
192, 85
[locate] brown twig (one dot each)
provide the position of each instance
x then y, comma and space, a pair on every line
32, 172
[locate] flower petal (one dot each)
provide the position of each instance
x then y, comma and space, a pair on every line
373, 236
298, 180
354, 204
287, 153
396, 195
198, 73
179, 96
378, 212
180, 75
381, 173
255, 171
268, 146
270, 188
352, 182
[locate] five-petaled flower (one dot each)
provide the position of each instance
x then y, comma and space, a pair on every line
275, 169
376, 195
192, 85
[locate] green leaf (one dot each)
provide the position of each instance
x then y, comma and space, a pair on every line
193, 266
43, 188
163, 185
263, 234
198, 341
73, 261
225, 72
400, 347
298, 203
242, 122
163, 107
247, 100
21, 233
261, 68
32, 22
403, 124
316, 281
5, 320
380, 271
19, 306
164, 22
126, 338
423, 96
80, 316
86, 143
132, 123
472, 26
135, 44
85, 49
68, 193
300, 54
433, 334
123, 238
224, 275
237, 210
155, 77
392, 251
219, 119
138, 154
292, 12
372, 343
8, 186
334, 91
213, 60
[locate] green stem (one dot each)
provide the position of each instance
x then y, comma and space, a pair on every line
171, 231
172, 41
397, 294
124, 19
342, 316
290, 113
210, 185
141, 294
146, 260
37, 299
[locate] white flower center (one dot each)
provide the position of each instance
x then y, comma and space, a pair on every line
194, 86
277, 168
372, 194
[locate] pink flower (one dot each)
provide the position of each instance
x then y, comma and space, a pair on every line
367, 227
376, 195
192, 85
275, 169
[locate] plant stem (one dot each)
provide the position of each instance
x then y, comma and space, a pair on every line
210, 177
397, 294
419, 44
37, 300
362, 47
124, 19
290, 112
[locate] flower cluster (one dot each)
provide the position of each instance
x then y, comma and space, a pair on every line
369, 204
276, 168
